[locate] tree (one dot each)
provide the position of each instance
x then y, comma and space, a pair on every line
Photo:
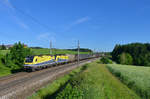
15, 59
140, 53
125, 58
3, 47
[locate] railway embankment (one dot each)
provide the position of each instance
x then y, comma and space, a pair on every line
24, 85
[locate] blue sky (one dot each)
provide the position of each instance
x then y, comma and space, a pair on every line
98, 24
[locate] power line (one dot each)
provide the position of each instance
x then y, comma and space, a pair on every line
31, 17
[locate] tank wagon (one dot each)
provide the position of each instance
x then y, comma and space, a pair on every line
33, 63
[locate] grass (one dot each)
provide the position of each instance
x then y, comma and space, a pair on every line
4, 52
135, 77
54, 51
94, 82
4, 71
52, 88
47, 51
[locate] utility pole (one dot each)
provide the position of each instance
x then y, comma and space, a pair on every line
78, 52
50, 47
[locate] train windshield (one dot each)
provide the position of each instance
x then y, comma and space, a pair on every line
29, 59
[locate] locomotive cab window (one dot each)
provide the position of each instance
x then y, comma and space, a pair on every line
29, 60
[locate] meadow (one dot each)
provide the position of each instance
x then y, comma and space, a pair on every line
54, 51
44, 51
94, 82
136, 78
3, 69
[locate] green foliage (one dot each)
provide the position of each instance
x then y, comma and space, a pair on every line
140, 53
3, 47
105, 60
135, 77
125, 58
15, 59
81, 50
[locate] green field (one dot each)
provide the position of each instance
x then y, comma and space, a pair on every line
4, 52
135, 77
95, 82
47, 51
3, 69
54, 51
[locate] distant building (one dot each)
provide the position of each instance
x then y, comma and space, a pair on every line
10, 45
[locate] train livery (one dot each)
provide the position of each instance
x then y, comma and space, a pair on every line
43, 61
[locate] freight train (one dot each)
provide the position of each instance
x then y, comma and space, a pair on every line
33, 63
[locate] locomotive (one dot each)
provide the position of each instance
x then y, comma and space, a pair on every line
38, 62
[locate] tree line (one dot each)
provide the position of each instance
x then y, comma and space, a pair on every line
81, 50
2, 47
132, 54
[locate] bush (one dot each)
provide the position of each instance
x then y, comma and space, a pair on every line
125, 58
105, 60
15, 59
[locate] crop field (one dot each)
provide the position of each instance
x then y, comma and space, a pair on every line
46, 51
94, 82
54, 51
135, 77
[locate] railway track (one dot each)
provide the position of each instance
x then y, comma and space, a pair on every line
20, 85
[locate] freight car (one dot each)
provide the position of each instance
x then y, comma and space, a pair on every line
33, 63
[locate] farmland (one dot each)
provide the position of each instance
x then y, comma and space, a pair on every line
47, 51
54, 51
94, 82
135, 77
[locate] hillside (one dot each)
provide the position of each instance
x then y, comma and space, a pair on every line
55, 51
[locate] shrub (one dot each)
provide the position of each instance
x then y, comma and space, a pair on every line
105, 60
15, 59
3, 47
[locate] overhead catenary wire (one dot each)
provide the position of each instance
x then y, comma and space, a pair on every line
31, 17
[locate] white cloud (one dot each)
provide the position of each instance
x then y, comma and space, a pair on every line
8, 4
47, 37
12, 12
81, 20
77, 22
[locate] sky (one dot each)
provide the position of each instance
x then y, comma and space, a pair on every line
97, 24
